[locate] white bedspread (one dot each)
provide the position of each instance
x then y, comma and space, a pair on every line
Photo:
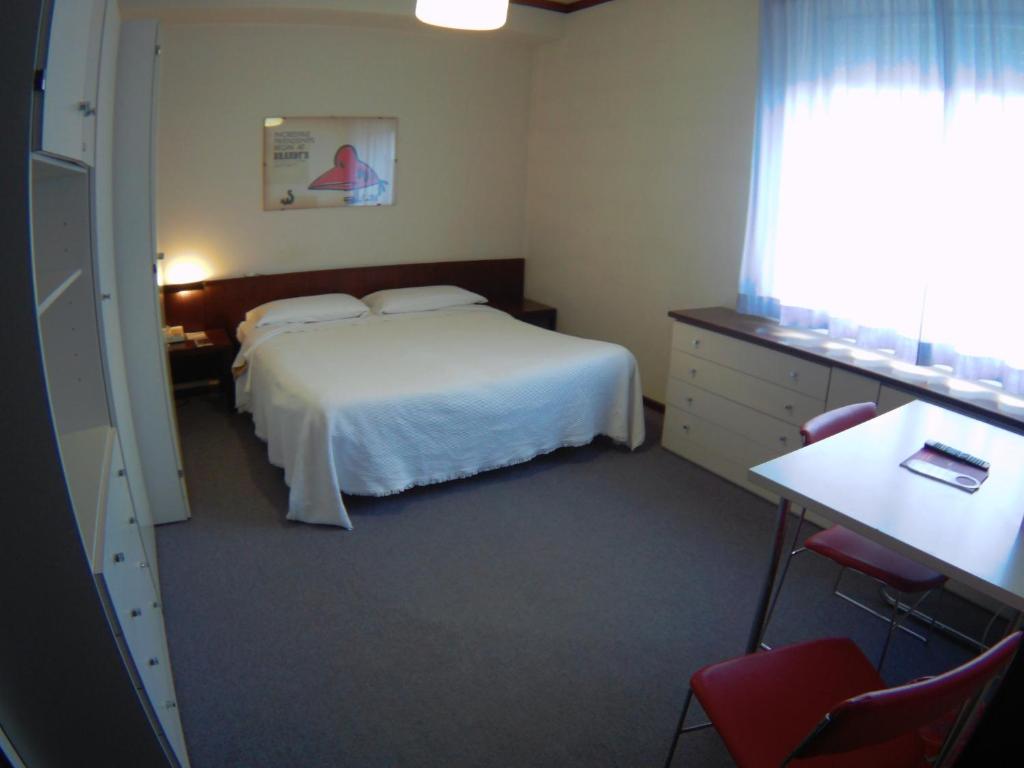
376, 405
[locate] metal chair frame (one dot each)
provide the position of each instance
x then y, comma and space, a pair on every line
895, 621
681, 728
979, 644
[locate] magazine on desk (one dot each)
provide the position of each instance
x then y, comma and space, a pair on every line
945, 469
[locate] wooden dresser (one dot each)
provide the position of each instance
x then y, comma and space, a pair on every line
737, 395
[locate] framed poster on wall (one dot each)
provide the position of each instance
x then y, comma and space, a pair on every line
328, 162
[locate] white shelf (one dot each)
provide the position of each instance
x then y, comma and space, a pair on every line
56, 293
50, 167
61, 234
86, 455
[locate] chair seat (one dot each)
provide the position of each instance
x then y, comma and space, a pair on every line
854, 551
763, 705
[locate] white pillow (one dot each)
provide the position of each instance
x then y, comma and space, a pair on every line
307, 309
398, 300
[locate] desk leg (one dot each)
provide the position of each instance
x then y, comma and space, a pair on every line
757, 628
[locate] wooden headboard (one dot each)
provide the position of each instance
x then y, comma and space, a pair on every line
223, 303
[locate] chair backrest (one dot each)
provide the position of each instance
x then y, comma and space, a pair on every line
876, 717
835, 421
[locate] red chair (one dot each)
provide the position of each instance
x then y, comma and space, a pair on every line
822, 703
851, 550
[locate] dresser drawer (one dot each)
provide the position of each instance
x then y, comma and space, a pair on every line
123, 573
715, 462
771, 399
150, 654
891, 398
847, 388
148, 646
143, 623
121, 591
787, 371
725, 454
742, 420
686, 428
160, 690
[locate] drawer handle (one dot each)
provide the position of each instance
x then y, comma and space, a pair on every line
135, 613
154, 661
170, 704
131, 521
794, 375
696, 343
120, 473
156, 605
119, 557
783, 439
693, 371
686, 427
689, 401
788, 408
86, 108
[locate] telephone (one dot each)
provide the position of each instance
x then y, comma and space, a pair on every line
173, 334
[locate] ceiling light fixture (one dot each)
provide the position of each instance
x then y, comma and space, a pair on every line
463, 14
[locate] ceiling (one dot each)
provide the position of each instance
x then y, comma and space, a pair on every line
530, 27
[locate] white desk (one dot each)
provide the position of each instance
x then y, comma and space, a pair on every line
855, 479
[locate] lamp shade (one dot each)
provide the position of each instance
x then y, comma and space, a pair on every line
463, 14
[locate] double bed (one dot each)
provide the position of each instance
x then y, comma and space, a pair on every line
379, 404
376, 404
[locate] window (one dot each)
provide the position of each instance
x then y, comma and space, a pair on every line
887, 197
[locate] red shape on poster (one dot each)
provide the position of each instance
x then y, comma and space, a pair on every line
348, 173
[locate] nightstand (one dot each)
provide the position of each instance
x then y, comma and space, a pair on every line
195, 368
530, 311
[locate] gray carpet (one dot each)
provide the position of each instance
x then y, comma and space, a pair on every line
548, 614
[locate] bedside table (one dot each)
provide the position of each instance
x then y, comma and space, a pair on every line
193, 368
530, 311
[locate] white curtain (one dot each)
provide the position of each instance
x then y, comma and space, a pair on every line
887, 197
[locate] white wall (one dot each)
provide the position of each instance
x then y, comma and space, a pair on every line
620, 170
639, 160
462, 104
